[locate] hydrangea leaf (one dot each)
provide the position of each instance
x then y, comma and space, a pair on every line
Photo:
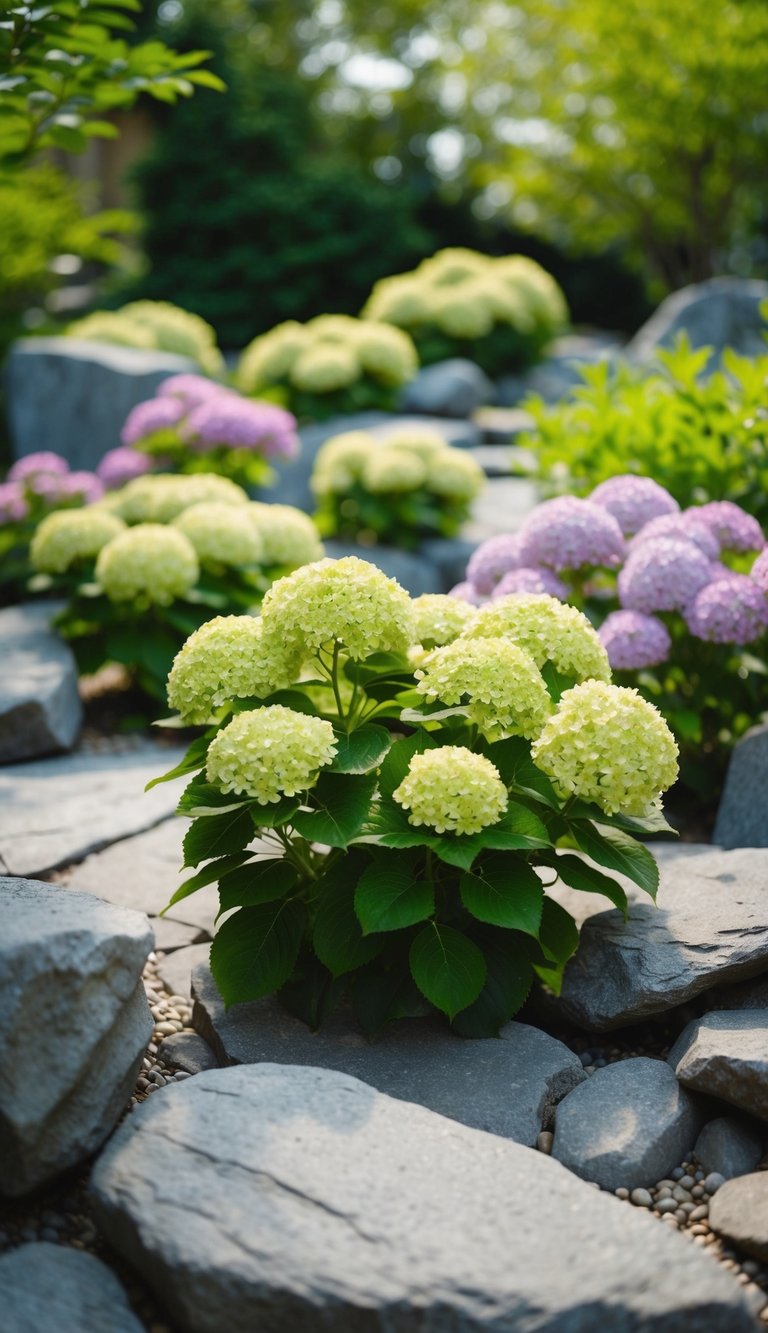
392, 894
253, 953
508, 981
618, 851
361, 750
340, 805
504, 891
447, 968
581, 875
337, 937
255, 883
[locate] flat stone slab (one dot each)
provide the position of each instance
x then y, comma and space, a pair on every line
629, 1124
507, 1086
74, 1025
56, 811
188, 1052
500, 425
175, 971
725, 1054
710, 928
739, 1211
45, 1286
40, 708
502, 507
742, 816
730, 1146
285, 1198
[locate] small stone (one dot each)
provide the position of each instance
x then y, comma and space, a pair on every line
621, 1193
641, 1198
686, 1182
725, 1055
677, 1174
731, 1146
699, 1213
713, 1182
739, 1211
544, 1141
666, 1206
40, 708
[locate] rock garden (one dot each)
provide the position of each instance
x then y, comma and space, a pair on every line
383, 758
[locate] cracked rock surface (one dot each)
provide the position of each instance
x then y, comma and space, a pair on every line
725, 1054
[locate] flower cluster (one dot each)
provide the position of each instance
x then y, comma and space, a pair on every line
64, 538
288, 536
500, 683
438, 620
270, 752
227, 421
568, 533
459, 299
225, 659
634, 501
347, 602
633, 640
41, 482
606, 744
548, 631
452, 790
664, 574
732, 609
121, 465
221, 534
161, 498
328, 356
148, 423
154, 325
492, 560
149, 563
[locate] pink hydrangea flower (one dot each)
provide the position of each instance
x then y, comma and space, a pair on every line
531, 580
492, 559
735, 529
241, 423
191, 389
86, 485
634, 501
759, 572
568, 533
663, 575
686, 526
121, 465
13, 504
633, 640
467, 592
731, 610
148, 418
44, 463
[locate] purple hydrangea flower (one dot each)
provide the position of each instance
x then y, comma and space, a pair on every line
663, 575
44, 463
494, 558
634, 501
633, 640
735, 529
686, 526
148, 418
13, 504
86, 485
759, 572
531, 580
241, 423
731, 610
121, 465
568, 533
467, 592
191, 389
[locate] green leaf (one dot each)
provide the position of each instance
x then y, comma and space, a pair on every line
377, 666
559, 940
340, 805
519, 830
395, 766
275, 813
447, 968
203, 798
512, 757
618, 851
192, 761
254, 951
391, 894
337, 938
581, 875
208, 875
255, 883
311, 993
362, 750
504, 891
508, 981
217, 835
380, 996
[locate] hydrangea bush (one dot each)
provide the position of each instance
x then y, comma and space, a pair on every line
680, 595
384, 788
333, 364
154, 326
193, 425
500, 313
398, 490
147, 565
35, 486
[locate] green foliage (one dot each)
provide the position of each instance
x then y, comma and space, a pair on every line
63, 69
703, 438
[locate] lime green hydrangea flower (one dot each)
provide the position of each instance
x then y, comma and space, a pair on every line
438, 619
161, 498
607, 744
70, 535
392, 470
288, 536
150, 563
347, 601
386, 353
549, 630
221, 534
269, 358
340, 462
324, 368
503, 686
455, 475
225, 659
452, 790
421, 440
464, 313
270, 752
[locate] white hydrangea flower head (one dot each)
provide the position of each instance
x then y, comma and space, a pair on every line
501, 684
547, 629
270, 752
340, 462
221, 534
403, 300
389, 470
269, 358
161, 498
288, 536
325, 367
452, 790
455, 475
149, 563
464, 312
439, 619
69, 535
225, 659
348, 601
386, 353
424, 441
607, 744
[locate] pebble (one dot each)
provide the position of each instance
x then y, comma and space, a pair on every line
666, 1206
543, 1143
681, 1195
687, 1182
713, 1182
641, 1198
621, 1193
699, 1213
677, 1174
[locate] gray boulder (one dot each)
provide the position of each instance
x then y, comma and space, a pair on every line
56, 811
73, 396
742, 816
559, 372
40, 708
454, 388
74, 1025
44, 1286
629, 1124
720, 313
730, 1146
285, 1198
506, 1086
710, 927
739, 1211
725, 1054
188, 1052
